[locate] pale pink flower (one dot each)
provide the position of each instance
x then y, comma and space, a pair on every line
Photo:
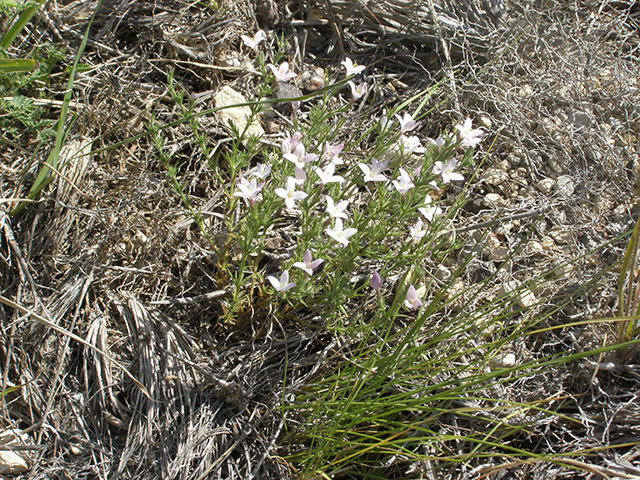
281, 284
282, 72
373, 172
438, 142
299, 157
331, 153
299, 176
357, 91
468, 136
326, 174
339, 234
447, 171
336, 211
430, 211
253, 43
407, 123
307, 264
352, 68
412, 301
411, 145
417, 232
248, 190
290, 143
385, 125
262, 171
376, 281
290, 195
403, 183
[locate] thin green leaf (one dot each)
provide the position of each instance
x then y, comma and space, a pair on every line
22, 65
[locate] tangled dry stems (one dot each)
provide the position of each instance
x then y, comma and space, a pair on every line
122, 267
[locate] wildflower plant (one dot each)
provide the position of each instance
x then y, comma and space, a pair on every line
365, 220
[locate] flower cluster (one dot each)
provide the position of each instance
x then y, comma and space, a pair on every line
309, 178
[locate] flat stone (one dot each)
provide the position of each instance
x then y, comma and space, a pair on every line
546, 185
504, 360
238, 116
564, 186
493, 176
13, 463
493, 200
560, 235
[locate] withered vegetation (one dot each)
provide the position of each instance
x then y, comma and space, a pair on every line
157, 385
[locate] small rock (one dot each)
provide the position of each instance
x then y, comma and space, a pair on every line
504, 165
13, 463
272, 127
527, 299
493, 176
564, 186
499, 254
548, 244
236, 115
285, 90
579, 119
504, 360
311, 79
235, 60
485, 122
525, 91
493, 200
443, 273
491, 242
560, 235
546, 185
556, 165
534, 248
268, 13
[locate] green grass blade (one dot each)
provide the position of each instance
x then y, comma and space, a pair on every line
24, 18
45, 176
14, 66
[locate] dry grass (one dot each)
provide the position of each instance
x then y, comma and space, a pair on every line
116, 262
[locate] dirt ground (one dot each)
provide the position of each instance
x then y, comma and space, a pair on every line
118, 262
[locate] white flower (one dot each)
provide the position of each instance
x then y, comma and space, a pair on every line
469, 137
262, 171
447, 171
430, 211
417, 232
373, 172
336, 211
332, 153
352, 68
339, 235
282, 284
412, 301
438, 142
248, 190
407, 123
327, 174
255, 41
411, 145
290, 195
403, 183
290, 143
282, 72
299, 157
357, 91
299, 176
307, 264
384, 125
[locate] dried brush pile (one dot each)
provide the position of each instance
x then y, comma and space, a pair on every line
114, 336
